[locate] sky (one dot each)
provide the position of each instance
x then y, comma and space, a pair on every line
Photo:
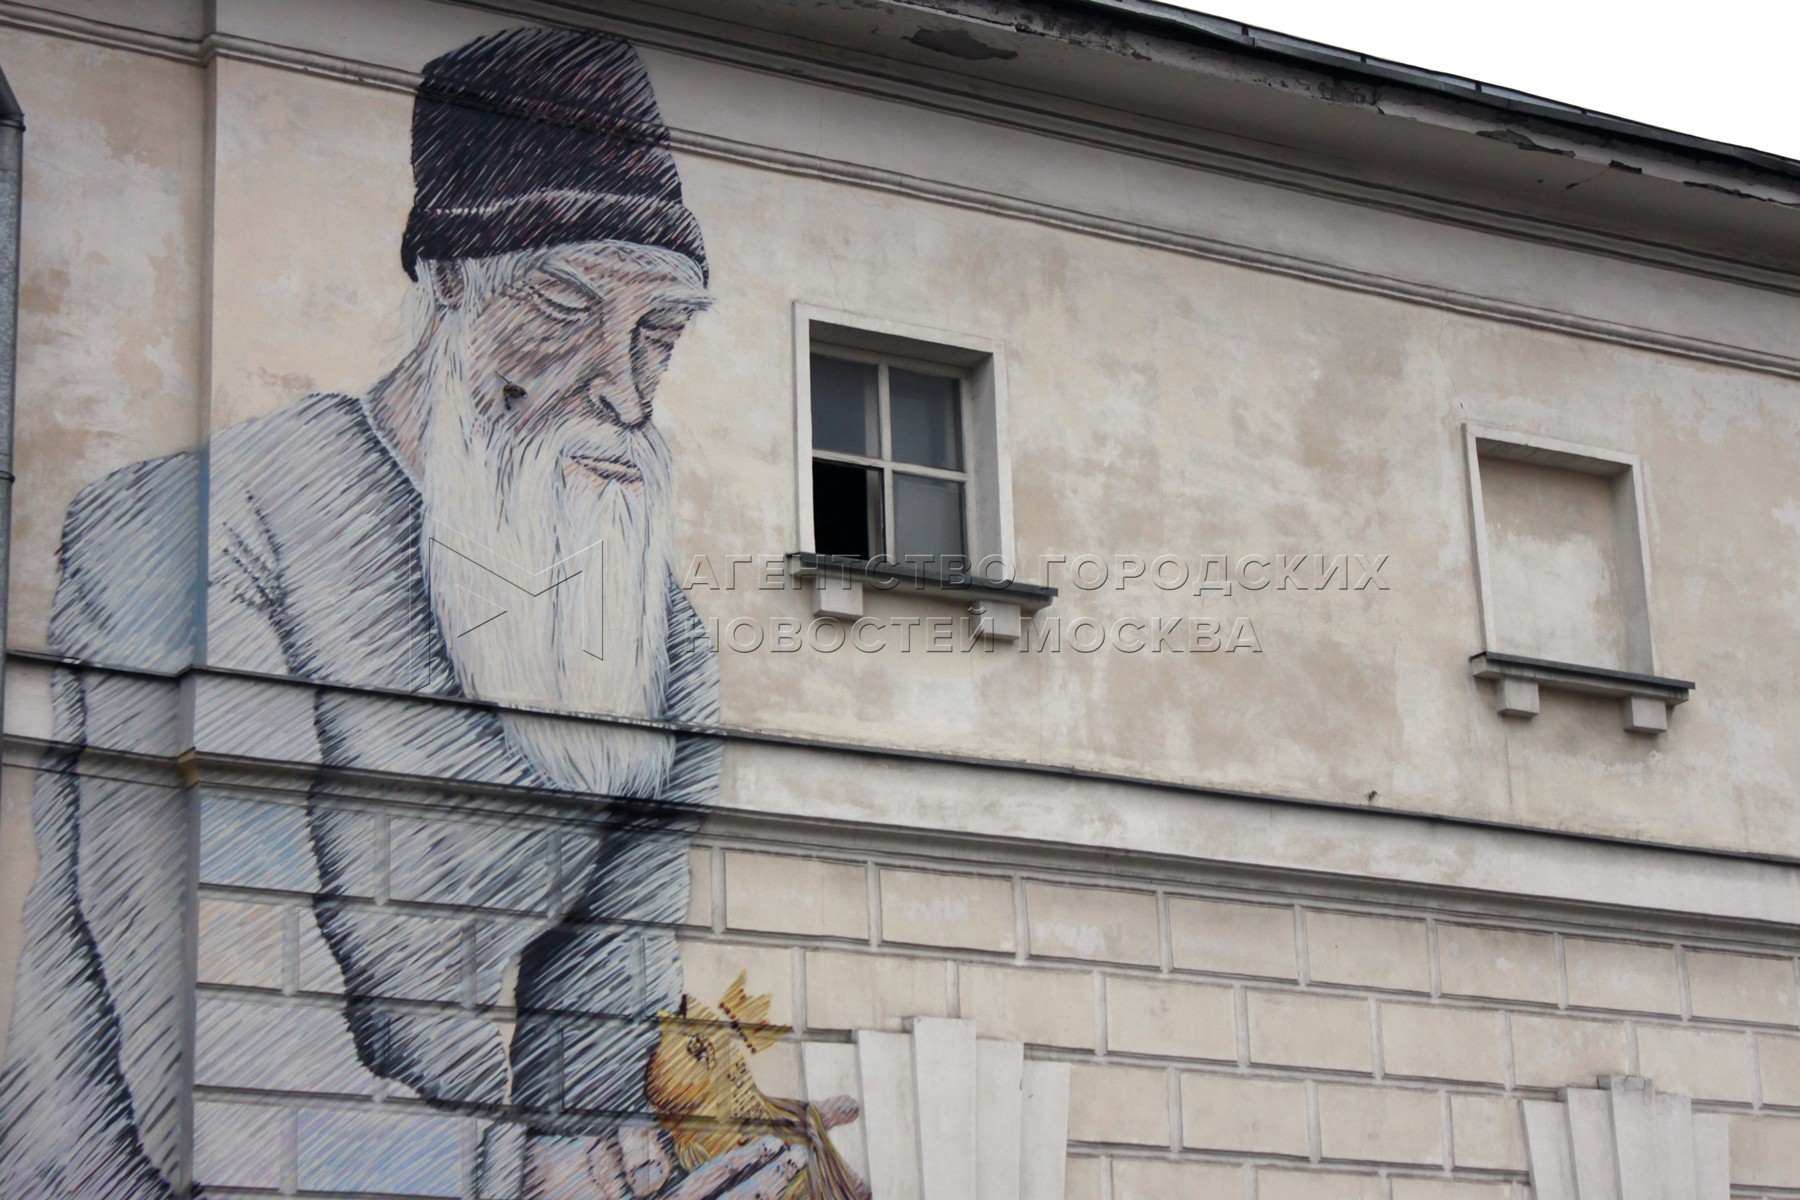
1721, 70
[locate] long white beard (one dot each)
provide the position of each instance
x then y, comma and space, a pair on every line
551, 593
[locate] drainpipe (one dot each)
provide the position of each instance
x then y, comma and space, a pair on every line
12, 138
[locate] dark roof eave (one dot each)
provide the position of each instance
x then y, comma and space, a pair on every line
1249, 39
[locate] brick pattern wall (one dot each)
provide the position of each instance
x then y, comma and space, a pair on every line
283, 1103
1262, 1046
1225, 1045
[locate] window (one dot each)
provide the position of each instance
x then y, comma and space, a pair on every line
888, 468
1564, 574
903, 477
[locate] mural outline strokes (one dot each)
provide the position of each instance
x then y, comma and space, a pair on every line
491, 522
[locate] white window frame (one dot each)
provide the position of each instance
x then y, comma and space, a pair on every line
883, 460
987, 497
987, 463
1645, 694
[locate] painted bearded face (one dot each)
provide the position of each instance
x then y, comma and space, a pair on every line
580, 340
545, 487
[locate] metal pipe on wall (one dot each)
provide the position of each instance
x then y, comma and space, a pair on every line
12, 139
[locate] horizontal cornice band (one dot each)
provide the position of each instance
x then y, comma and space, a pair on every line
910, 846
1115, 139
747, 735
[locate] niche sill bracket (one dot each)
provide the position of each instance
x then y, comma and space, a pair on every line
1644, 700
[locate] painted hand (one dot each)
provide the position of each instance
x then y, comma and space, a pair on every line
760, 1171
638, 1163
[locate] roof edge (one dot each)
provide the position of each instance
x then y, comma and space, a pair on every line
1187, 25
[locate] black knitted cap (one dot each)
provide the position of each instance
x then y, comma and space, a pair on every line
541, 137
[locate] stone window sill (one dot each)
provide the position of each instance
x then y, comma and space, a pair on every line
1644, 700
999, 606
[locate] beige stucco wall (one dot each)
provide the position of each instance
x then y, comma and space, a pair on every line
112, 270
1161, 403
1253, 995
317, 172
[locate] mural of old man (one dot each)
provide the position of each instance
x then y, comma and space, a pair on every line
479, 543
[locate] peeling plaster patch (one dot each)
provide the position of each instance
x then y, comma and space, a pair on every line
293, 383
1513, 137
1788, 514
1735, 193
958, 43
1597, 174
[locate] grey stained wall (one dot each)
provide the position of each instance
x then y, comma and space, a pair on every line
1162, 403
1307, 917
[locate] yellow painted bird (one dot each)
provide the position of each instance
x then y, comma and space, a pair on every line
700, 1084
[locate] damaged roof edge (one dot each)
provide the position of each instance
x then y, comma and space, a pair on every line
1166, 19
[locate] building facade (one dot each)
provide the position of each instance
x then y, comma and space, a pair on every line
926, 598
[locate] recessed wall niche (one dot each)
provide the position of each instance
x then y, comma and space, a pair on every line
1564, 570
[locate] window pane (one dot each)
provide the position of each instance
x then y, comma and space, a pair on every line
844, 413
927, 417
928, 520
846, 510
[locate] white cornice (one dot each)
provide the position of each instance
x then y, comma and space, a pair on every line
1109, 130
1120, 131
1750, 892
1179, 241
99, 33
785, 786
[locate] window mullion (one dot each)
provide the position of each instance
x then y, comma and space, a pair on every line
906, 468
887, 513
963, 459
886, 447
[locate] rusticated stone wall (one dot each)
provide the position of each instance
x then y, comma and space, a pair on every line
1218, 1037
